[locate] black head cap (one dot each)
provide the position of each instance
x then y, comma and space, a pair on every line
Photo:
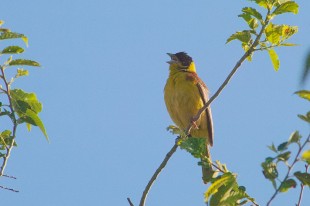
184, 58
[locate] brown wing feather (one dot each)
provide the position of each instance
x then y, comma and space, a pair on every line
204, 95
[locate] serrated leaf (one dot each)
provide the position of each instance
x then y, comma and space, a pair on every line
24, 62
12, 50
287, 7
253, 12
304, 178
286, 185
274, 59
306, 156
304, 94
194, 145
294, 137
305, 117
243, 36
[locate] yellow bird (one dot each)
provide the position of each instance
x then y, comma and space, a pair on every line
185, 94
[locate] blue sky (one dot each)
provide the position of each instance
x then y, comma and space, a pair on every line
104, 69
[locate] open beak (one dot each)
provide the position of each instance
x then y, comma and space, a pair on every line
174, 59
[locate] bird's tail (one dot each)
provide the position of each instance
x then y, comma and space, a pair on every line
207, 171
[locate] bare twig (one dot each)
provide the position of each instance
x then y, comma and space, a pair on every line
296, 159
157, 172
8, 176
301, 189
10, 189
130, 203
197, 116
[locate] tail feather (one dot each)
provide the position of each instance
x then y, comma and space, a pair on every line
207, 170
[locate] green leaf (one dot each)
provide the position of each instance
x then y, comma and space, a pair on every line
289, 6
246, 47
22, 101
194, 145
276, 34
304, 94
288, 44
262, 3
222, 194
273, 148
252, 22
6, 139
284, 156
270, 170
176, 130
306, 156
287, 184
305, 117
13, 35
32, 118
21, 72
243, 36
253, 12
24, 62
295, 137
283, 146
274, 59
12, 50
304, 178
224, 179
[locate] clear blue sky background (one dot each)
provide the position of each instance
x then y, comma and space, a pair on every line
104, 69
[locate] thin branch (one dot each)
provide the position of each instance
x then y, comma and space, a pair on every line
130, 203
296, 159
10, 189
8, 176
157, 172
301, 189
197, 116
9, 149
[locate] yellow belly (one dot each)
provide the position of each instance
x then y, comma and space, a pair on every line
183, 100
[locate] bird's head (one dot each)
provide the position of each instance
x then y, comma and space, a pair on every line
181, 62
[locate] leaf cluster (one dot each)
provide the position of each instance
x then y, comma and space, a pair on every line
283, 154
273, 35
224, 190
19, 106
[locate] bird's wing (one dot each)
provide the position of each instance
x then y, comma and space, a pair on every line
203, 90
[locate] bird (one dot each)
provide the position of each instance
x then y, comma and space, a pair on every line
184, 94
